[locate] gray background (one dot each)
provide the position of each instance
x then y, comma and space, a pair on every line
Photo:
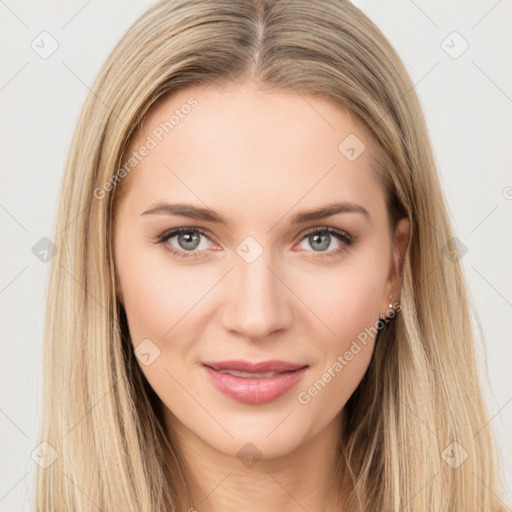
467, 98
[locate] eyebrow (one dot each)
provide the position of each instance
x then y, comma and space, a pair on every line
209, 215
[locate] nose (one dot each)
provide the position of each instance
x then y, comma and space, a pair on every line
257, 300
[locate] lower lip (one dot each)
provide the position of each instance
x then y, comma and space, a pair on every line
254, 390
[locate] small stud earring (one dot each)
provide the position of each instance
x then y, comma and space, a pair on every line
390, 305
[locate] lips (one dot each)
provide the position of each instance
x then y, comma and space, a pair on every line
254, 382
250, 367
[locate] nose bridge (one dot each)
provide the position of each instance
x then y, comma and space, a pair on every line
256, 302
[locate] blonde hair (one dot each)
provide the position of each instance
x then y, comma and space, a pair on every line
421, 391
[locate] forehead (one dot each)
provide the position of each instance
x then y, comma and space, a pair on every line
252, 151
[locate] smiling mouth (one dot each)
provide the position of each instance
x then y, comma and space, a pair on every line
253, 387
249, 374
251, 367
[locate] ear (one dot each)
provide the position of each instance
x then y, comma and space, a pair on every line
393, 285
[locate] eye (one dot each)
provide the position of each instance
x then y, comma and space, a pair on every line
321, 239
187, 240
186, 243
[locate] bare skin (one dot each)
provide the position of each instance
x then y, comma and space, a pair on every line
258, 158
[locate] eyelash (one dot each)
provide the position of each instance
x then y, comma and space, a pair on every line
341, 235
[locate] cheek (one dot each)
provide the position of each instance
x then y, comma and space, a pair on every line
346, 299
156, 295
348, 302
157, 300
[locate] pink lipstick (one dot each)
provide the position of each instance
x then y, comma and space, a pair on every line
254, 383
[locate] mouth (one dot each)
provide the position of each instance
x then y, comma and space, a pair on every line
249, 374
254, 383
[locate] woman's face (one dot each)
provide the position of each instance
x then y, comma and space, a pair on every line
252, 278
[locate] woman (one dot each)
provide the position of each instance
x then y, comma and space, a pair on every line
256, 304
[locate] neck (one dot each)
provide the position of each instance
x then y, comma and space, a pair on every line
306, 479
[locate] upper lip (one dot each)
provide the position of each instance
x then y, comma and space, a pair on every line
254, 367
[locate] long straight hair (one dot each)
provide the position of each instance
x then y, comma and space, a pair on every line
418, 407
